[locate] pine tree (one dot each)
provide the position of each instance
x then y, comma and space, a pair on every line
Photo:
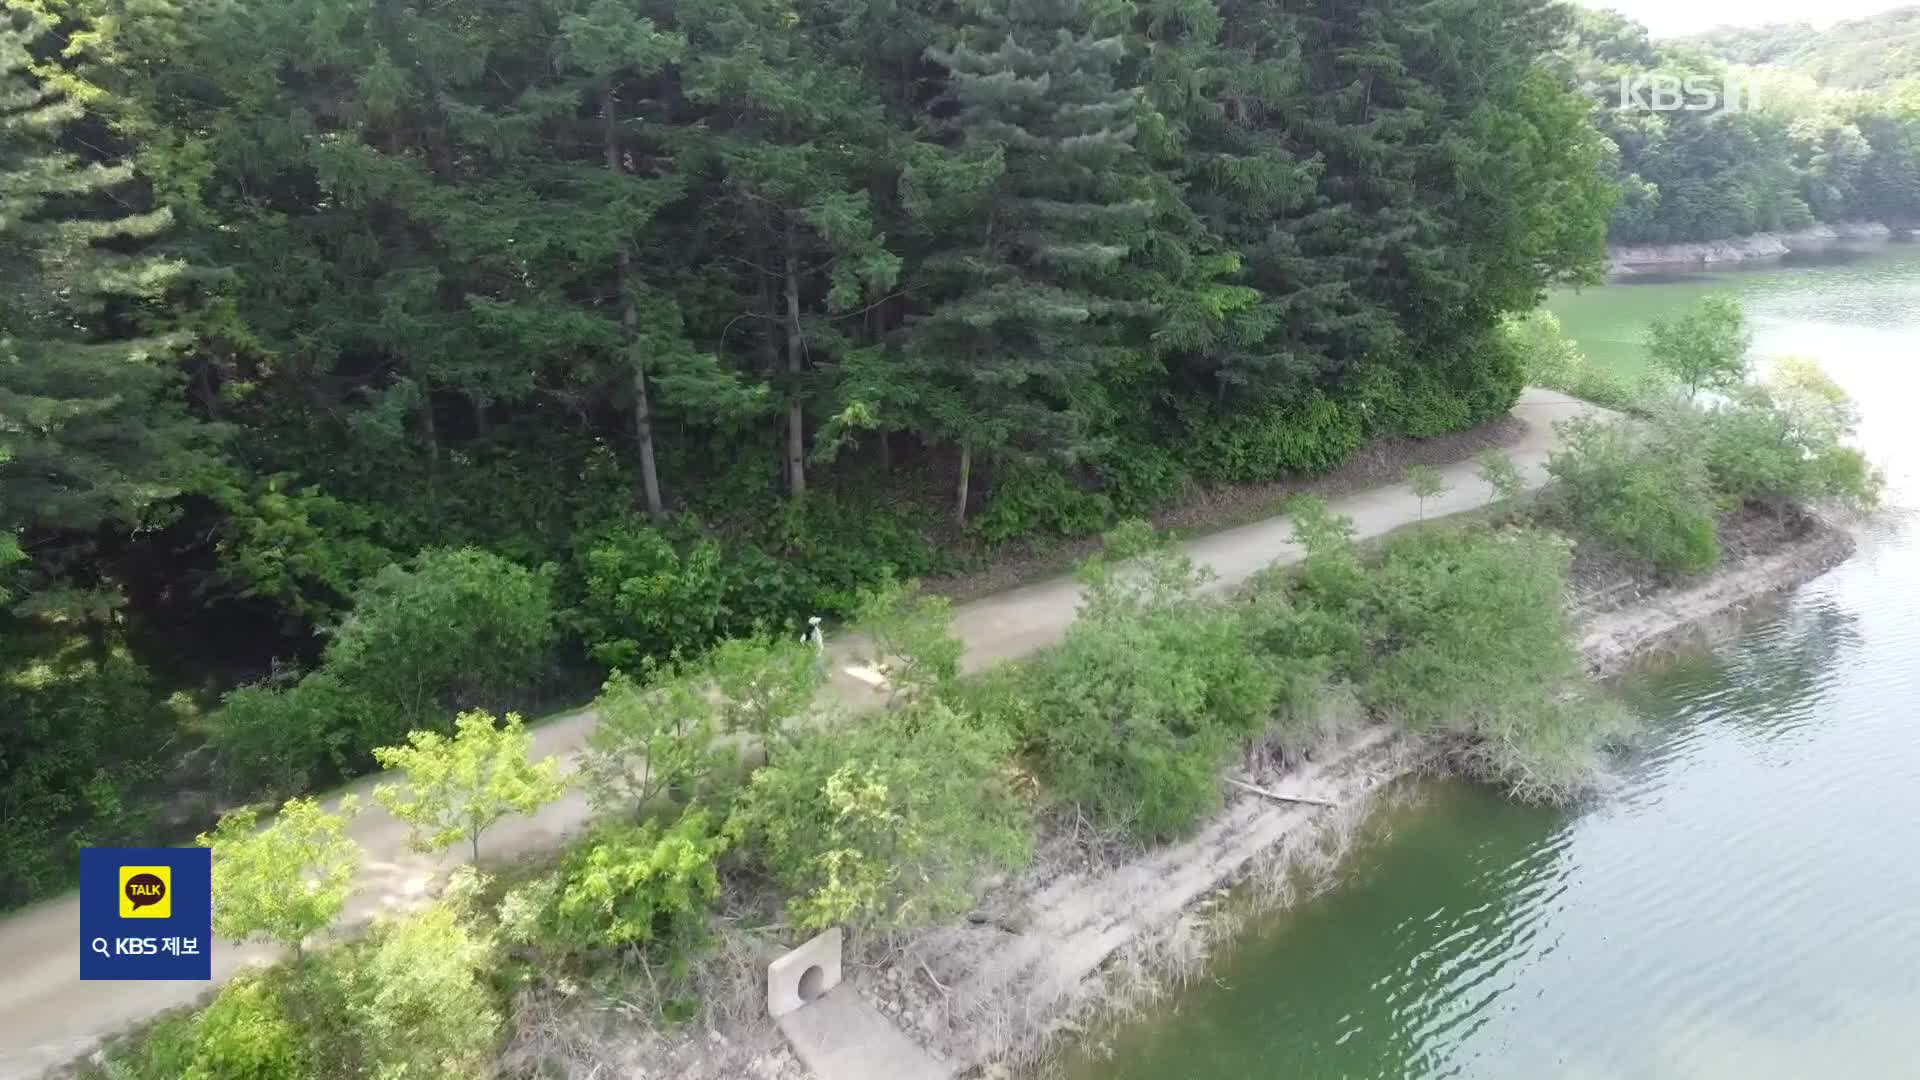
1034, 294
560, 212
91, 428
789, 131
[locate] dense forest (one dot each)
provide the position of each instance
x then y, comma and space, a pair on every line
1790, 143
1856, 54
363, 363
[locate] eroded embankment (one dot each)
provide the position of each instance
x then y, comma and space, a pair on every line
1092, 929
1072, 937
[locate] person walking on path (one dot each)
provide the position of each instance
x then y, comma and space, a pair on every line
819, 643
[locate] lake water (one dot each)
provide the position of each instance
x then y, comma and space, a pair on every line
1746, 906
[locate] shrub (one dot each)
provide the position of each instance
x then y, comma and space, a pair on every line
1504, 482
1784, 440
888, 824
1425, 482
625, 888
246, 1034
1642, 488
418, 998
1271, 443
1031, 498
763, 683
912, 640
1453, 388
284, 882
1549, 358
1131, 717
643, 597
1474, 622
272, 740
81, 733
651, 741
1461, 635
451, 630
840, 544
448, 629
1139, 477
162, 1051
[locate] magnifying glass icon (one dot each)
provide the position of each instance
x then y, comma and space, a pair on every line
100, 946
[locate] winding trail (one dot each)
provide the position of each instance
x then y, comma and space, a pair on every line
48, 1016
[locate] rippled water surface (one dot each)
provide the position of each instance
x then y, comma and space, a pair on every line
1747, 906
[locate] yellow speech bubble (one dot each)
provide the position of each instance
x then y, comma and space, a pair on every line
146, 892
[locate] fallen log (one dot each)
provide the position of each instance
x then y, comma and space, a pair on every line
1277, 797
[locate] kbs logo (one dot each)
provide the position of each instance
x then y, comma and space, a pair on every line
146, 892
1654, 92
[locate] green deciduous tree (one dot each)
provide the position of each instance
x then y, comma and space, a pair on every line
457, 788
1704, 348
763, 684
286, 881
652, 739
913, 642
1502, 477
1426, 483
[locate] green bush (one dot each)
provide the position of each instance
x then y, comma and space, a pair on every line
1139, 477
652, 741
423, 641
450, 630
1304, 438
1642, 488
1034, 499
247, 1034
888, 824
1132, 716
1476, 624
81, 734
844, 542
1784, 440
644, 597
163, 1051
1549, 358
625, 887
274, 740
912, 637
1460, 635
1469, 382
418, 999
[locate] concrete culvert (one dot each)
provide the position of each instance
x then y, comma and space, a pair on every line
813, 983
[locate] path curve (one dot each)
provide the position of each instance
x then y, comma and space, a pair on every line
47, 1016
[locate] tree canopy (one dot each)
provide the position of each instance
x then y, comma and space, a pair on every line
606, 329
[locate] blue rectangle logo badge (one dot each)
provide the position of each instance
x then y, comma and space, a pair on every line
146, 913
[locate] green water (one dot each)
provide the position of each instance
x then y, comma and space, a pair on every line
1746, 905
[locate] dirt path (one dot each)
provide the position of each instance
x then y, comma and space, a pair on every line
47, 1016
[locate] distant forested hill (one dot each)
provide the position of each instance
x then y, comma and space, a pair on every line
1858, 54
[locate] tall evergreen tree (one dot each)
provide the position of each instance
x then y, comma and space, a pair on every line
1033, 295
790, 134
92, 431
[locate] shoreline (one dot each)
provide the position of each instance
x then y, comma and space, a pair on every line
1629, 260
1063, 947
